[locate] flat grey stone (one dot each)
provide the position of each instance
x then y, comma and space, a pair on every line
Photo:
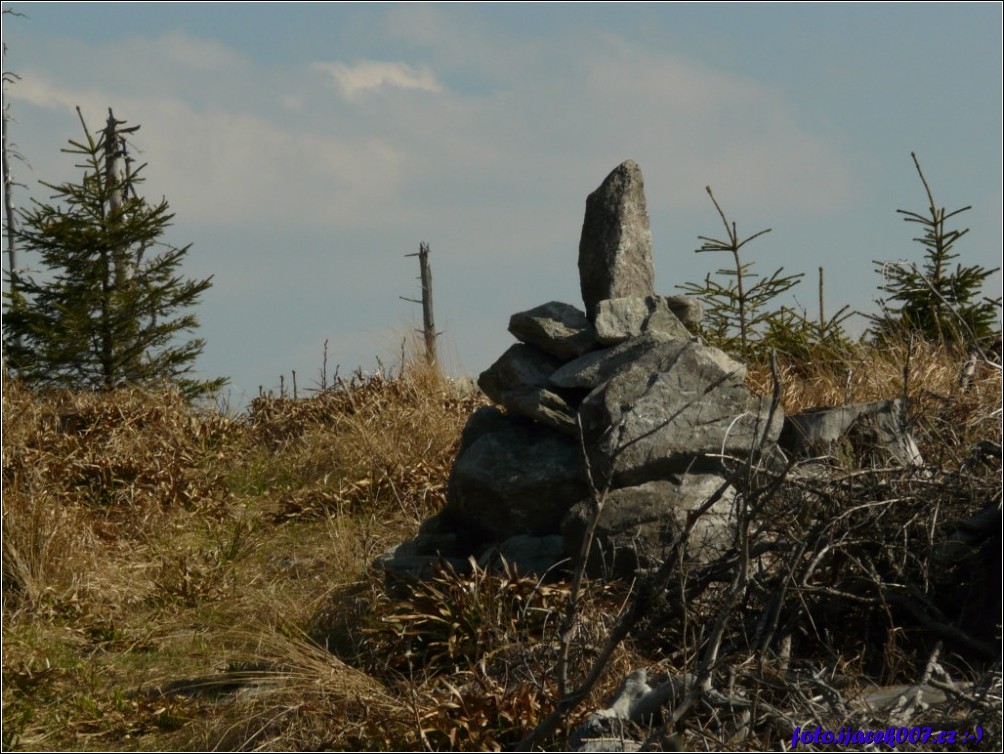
618, 319
519, 380
687, 309
520, 367
555, 328
545, 406
848, 435
595, 368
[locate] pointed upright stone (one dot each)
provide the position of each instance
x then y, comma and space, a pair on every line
615, 250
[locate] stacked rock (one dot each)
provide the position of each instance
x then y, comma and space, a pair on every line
653, 409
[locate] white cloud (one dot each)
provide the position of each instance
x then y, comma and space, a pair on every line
221, 165
197, 53
699, 126
218, 143
244, 167
37, 89
376, 74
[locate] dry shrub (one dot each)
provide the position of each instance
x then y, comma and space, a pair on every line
295, 696
849, 589
456, 620
132, 465
862, 577
368, 443
47, 550
872, 571
86, 473
471, 655
47, 543
125, 449
418, 392
134, 515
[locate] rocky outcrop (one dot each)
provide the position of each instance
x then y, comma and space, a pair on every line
658, 417
858, 435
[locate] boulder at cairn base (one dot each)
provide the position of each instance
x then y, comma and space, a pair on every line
855, 436
514, 477
615, 249
637, 524
677, 408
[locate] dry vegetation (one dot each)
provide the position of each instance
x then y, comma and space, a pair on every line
178, 579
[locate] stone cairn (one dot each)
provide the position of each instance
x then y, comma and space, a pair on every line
624, 394
655, 410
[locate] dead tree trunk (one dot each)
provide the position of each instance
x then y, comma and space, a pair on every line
8, 201
428, 321
114, 167
8, 197
124, 259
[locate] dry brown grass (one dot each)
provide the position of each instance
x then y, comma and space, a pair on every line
139, 533
943, 415
179, 579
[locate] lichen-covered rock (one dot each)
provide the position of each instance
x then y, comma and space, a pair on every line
679, 409
853, 436
519, 380
595, 368
661, 417
687, 309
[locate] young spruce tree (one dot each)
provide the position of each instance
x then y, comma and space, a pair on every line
737, 305
109, 307
939, 303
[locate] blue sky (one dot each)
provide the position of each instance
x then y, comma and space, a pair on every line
305, 149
